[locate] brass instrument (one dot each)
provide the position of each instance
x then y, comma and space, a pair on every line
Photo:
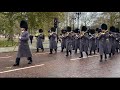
82, 33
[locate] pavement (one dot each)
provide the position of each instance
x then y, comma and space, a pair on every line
32, 46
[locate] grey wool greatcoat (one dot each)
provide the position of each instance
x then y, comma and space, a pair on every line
92, 42
63, 42
97, 43
53, 40
69, 41
23, 49
77, 41
112, 44
104, 44
40, 40
117, 45
73, 41
84, 43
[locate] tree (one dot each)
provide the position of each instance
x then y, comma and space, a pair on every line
88, 17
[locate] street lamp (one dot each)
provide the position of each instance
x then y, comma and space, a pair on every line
26, 18
78, 14
73, 21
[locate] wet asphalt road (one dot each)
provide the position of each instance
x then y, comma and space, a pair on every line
59, 66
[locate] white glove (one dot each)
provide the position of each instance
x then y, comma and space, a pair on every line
19, 37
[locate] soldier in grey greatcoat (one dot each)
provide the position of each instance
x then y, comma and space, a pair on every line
73, 39
84, 41
76, 38
68, 41
40, 39
53, 37
117, 39
63, 39
98, 30
104, 42
23, 49
92, 41
112, 40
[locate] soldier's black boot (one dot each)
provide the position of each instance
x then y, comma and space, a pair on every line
55, 50
87, 54
70, 52
98, 50
105, 57
113, 53
94, 52
62, 49
117, 50
30, 60
42, 49
75, 50
67, 53
17, 62
90, 52
81, 55
101, 57
37, 50
109, 55
51, 51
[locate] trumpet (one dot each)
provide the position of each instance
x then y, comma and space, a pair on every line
82, 34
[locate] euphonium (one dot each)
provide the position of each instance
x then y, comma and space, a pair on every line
82, 34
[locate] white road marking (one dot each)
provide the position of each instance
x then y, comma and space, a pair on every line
83, 57
8, 67
12, 60
21, 68
6, 57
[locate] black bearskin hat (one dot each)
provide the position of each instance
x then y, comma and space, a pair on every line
112, 29
104, 26
40, 30
117, 30
76, 30
63, 31
84, 28
68, 29
92, 31
53, 29
99, 30
23, 24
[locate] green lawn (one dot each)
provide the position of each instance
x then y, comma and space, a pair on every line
5, 43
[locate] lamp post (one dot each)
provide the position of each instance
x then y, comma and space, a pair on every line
26, 18
78, 14
73, 21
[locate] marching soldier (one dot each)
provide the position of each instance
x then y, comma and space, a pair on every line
73, 39
104, 42
40, 39
63, 40
112, 40
97, 40
23, 50
53, 37
117, 39
76, 38
84, 41
92, 40
68, 41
